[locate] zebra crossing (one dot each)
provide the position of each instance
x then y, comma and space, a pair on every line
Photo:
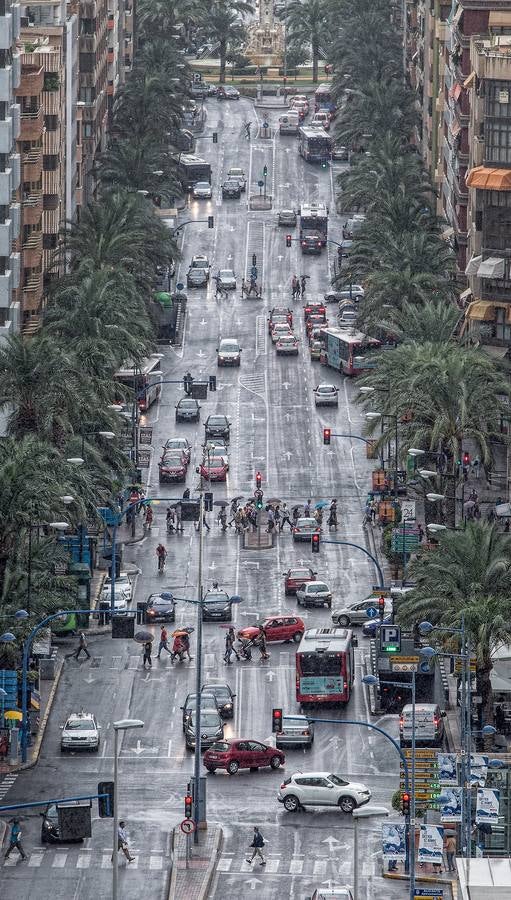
7, 783
60, 858
278, 865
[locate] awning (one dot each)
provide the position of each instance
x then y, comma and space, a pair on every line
473, 265
470, 80
455, 128
481, 311
448, 233
466, 294
457, 91
499, 19
457, 15
487, 179
493, 267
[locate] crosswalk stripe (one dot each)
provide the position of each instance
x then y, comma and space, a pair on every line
320, 867
296, 866
155, 862
133, 662
60, 861
83, 861
106, 861
272, 865
245, 866
224, 864
35, 859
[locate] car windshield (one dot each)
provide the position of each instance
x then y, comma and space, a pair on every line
221, 746
299, 573
80, 725
203, 185
229, 347
216, 462
306, 523
216, 598
188, 404
172, 454
207, 719
235, 172
217, 420
207, 700
176, 443
121, 579
282, 328
287, 339
226, 273
200, 263
160, 602
220, 690
326, 389
318, 588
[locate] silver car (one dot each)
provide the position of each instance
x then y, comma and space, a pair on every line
314, 593
211, 728
287, 345
356, 613
305, 527
81, 732
296, 731
287, 217
326, 395
202, 190
227, 279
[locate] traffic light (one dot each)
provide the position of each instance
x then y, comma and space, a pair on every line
326, 436
288, 240
405, 803
276, 720
265, 171
188, 806
212, 383
208, 501
259, 503
315, 542
259, 479
106, 804
254, 259
466, 458
215, 137
381, 607
211, 221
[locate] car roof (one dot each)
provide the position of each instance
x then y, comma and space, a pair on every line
81, 715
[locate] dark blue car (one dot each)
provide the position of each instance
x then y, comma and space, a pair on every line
372, 626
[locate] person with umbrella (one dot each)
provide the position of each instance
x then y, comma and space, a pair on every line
146, 654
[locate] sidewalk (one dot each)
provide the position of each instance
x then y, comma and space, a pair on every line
194, 882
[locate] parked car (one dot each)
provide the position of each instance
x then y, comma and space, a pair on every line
187, 410
224, 697
81, 732
242, 754
295, 577
276, 628
314, 593
295, 731
160, 608
306, 789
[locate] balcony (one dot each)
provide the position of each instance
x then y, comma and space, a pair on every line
32, 124
52, 103
32, 208
51, 142
5, 187
6, 238
5, 286
33, 250
32, 324
33, 293
32, 81
33, 164
51, 182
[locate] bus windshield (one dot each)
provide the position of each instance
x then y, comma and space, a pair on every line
320, 663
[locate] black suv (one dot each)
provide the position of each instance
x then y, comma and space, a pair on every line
231, 189
160, 608
217, 427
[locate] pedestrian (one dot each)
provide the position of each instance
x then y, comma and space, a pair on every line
243, 288
253, 286
374, 511
257, 845
15, 840
284, 517
186, 494
82, 645
204, 522
476, 466
318, 515
303, 284
332, 518
450, 851
296, 515
229, 647
295, 287
148, 519
500, 719
420, 532
261, 643
147, 650
163, 645
392, 867
307, 509
271, 520
187, 383
277, 516
122, 842
185, 643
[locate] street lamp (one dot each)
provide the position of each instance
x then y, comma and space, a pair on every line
363, 812
75, 460
436, 527
108, 435
433, 498
378, 415
120, 725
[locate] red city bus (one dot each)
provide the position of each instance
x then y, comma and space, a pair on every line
325, 666
348, 351
323, 98
145, 380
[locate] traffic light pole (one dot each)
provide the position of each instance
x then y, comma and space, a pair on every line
198, 674
381, 580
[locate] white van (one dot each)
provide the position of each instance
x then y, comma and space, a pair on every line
289, 122
429, 724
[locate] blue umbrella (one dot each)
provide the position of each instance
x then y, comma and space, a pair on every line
321, 504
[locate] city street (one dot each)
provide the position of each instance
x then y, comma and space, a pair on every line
276, 430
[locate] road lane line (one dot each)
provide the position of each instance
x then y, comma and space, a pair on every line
155, 862
320, 867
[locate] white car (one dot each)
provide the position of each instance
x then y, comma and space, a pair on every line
227, 279
235, 172
81, 732
314, 593
202, 190
287, 345
123, 588
281, 330
322, 789
326, 395
178, 443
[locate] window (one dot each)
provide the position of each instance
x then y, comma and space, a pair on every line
498, 141
50, 163
497, 102
49, 241
51, 123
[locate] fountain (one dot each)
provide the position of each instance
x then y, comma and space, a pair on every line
265, 45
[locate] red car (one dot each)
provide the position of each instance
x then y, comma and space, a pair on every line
242, 753
276, 628
280, 314
314, 309
173, 466
293, 578
215, 469
315, 321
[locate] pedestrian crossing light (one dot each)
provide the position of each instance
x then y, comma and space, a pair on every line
315, 543
259, 479
326, 436
405, 803
276, 720
106, 802
188, 806
215, 137
288, 240
208, 501
211, 221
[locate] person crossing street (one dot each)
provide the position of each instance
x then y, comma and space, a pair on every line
15, 840
257, 845
163, 645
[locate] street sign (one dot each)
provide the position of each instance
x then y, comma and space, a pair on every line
403, 667
428, 893
187, 826
390, 638
180, 286
144, 459
197, 77
371, 612
407, 509
260, 183
458, 665
145, 434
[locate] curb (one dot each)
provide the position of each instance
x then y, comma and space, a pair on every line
210, 871
426, 879
3, 832
42, 728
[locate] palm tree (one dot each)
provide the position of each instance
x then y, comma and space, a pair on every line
372, 109
220, 19
306, 25
148, 106
140, 165
434, 322
157, 17
468, 577
48, 591
452, 393
43, 389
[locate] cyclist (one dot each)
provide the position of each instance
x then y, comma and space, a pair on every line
161, 553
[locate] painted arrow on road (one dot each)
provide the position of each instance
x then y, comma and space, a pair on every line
270, 675
286, 385
139, 749
334, 843
89, 679
288, 454
212, 565
253, 882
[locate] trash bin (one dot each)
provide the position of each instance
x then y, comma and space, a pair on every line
104, 605
141, 608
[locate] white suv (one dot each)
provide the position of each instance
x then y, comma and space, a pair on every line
81, 732
322, 789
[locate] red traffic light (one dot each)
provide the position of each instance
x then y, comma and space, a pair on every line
466, 458
326, 435
276, 720
315, 542
405, 803
258, 479
288, 240
381, 606
188, 806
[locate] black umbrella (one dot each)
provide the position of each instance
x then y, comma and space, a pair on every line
274, 500
220, 503
142, 637
237, 498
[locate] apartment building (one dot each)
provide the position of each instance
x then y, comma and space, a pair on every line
10, 169
92, 108
488, 314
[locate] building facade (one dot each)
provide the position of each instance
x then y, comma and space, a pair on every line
92, 108
10, 169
